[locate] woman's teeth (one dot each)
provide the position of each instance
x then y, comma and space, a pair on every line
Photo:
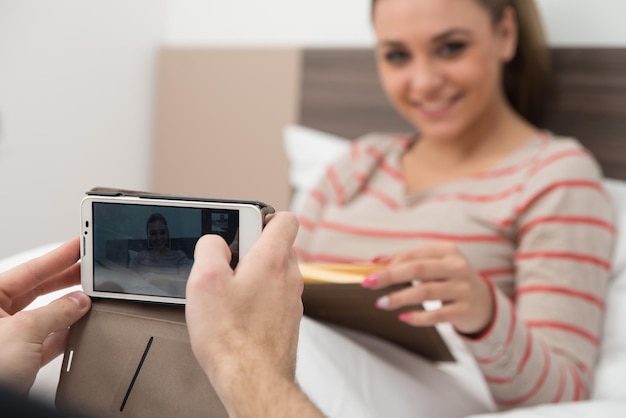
435, 106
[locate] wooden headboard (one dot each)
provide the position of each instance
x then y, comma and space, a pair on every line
220, 112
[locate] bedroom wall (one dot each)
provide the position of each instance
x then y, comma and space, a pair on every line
76, 84
346, 22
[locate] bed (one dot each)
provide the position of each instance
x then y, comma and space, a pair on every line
273, 118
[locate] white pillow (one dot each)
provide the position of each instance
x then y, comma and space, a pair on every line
309, 152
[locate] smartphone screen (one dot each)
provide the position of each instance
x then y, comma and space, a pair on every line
149, 249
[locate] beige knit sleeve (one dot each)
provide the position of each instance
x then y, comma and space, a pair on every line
543, 342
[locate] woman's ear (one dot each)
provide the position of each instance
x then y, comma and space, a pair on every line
507, 30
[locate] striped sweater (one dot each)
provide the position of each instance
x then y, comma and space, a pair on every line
539, 226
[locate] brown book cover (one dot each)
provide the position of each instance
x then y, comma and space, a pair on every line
333, 293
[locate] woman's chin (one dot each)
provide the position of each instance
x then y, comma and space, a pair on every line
441, 133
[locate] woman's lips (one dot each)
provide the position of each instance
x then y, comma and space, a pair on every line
435, 109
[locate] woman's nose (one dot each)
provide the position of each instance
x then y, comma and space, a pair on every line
425, 78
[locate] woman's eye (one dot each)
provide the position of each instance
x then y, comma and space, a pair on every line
397, 57
452, 49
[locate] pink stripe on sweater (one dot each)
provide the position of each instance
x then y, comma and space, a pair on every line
479, 198
382, 164
581, 220
565, 255
507, 341
566, 291
559, 393
565, 327
382, 197
555, 186
540, 382
337, 186
379, 233
318, 196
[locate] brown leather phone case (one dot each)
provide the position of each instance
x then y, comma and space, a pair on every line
133, 359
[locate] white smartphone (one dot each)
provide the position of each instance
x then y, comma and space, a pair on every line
140, 246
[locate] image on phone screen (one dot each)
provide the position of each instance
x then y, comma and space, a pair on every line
149, 249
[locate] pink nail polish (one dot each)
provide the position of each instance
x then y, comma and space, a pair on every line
380, 259
370, 280
404, 316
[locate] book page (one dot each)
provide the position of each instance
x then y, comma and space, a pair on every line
336, 273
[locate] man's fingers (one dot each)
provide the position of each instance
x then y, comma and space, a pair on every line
277, 239
54, 346
215, 256
67, 278
32, 274
212, 248
279, 233
56, 316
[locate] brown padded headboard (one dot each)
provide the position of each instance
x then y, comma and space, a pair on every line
219, 113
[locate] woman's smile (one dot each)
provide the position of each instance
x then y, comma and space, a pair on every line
436, 109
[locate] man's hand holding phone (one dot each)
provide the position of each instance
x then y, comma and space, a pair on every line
31, 339
244, 324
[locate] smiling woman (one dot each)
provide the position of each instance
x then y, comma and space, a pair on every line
527, 69
159, 259
508, 225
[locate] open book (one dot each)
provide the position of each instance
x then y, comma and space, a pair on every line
333, 293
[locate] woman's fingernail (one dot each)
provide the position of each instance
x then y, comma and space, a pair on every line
80, 299
383, 302
380, 259
404, 316
370, 280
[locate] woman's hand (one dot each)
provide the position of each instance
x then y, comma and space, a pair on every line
31, 339
443, 274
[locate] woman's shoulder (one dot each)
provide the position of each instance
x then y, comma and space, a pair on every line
564, 177
367, 151
562, 142
345, 176
563, 156
383, 141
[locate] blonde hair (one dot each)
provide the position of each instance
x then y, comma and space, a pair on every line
527, 76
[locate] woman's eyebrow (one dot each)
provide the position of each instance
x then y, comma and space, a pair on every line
392, 44
450, 32
437, 38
